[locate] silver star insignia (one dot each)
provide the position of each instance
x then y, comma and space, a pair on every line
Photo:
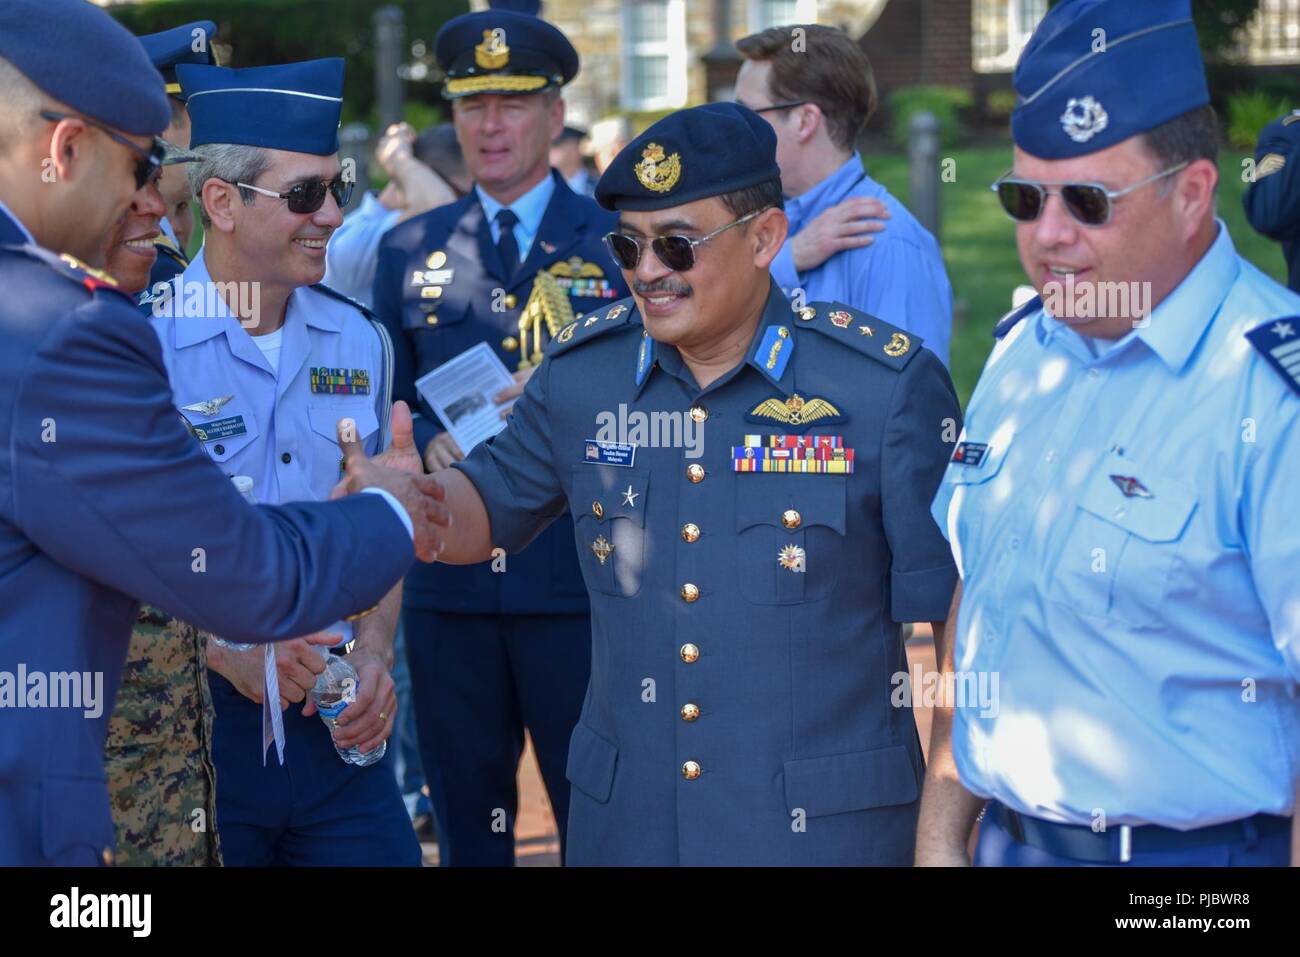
208, 406
630, 497
1283, 330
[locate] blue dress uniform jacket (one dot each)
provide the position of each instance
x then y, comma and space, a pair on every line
1272, 201
476, 304
739, 711
106, 500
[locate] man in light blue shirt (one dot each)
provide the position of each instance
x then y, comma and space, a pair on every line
263, 363
818, 95
1121, 503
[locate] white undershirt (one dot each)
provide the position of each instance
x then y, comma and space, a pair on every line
270, 346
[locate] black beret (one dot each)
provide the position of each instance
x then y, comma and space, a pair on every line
688, 155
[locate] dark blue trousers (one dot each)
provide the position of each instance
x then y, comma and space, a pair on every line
997, 848
478, 682
315, 810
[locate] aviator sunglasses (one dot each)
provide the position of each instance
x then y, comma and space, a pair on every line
148, 162
309, 196
1089, 204
675, 252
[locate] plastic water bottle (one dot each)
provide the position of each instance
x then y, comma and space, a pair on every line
244, 485
336, 688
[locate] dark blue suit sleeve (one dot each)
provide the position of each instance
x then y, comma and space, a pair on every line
1272, 202
387, 299
923, 413
108, 483
514, 471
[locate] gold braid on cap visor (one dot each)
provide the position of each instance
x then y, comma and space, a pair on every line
490, 84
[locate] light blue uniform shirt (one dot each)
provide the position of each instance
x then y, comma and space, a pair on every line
275, 428
530, 208
353, 250
900, 277
1147, 649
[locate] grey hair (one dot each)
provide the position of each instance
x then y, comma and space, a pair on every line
21, 102
230, 163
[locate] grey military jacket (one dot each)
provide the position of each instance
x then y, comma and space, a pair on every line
747, 595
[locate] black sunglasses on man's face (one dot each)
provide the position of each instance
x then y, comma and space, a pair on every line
148, 162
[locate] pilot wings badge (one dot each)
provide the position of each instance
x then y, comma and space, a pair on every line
208, 406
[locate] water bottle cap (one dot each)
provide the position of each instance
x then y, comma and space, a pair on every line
243, 483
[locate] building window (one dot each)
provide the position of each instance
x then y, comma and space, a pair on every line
779, 13
654, 54
1273, 36
999, 31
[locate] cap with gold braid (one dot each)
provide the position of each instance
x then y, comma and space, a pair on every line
502, 51
191, 43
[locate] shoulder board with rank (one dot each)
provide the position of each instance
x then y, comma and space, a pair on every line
887, 344
163, 243
1278, 341
73, 268
335, 294
593, 324
1008, 322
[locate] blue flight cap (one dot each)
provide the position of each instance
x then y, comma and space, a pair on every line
292, 106
191, 43
502, 51
688, 155
1097, 72
79, 55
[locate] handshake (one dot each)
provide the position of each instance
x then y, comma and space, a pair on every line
398, 470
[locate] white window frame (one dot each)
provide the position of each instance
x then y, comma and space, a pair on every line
805, 12
1287, 15
1018, 35
674, 48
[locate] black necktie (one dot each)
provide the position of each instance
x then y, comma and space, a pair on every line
506, 245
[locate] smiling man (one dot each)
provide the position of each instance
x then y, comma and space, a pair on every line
494, 652
748, 593
264, 362
1122, 503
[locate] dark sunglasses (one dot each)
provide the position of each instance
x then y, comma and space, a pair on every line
1090, 204
148, 162
309, 196
675, 252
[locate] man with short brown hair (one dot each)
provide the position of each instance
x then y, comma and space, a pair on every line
814, 85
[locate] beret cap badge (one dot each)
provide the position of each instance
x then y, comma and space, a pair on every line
657, 173
492, 53
1084, 118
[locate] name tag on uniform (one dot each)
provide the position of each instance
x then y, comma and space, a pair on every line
609, 453
432, 277
340, 381
220, 429
971, 453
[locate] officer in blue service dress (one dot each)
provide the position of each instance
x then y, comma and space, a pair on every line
264, 389
496, 648
750, 485
105, 499
1122, 502
1272, 200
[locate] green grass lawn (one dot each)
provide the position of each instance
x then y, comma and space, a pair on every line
980, 250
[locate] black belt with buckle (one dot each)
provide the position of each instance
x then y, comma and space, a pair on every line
1118, 844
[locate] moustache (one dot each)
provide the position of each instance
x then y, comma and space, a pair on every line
661, 287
